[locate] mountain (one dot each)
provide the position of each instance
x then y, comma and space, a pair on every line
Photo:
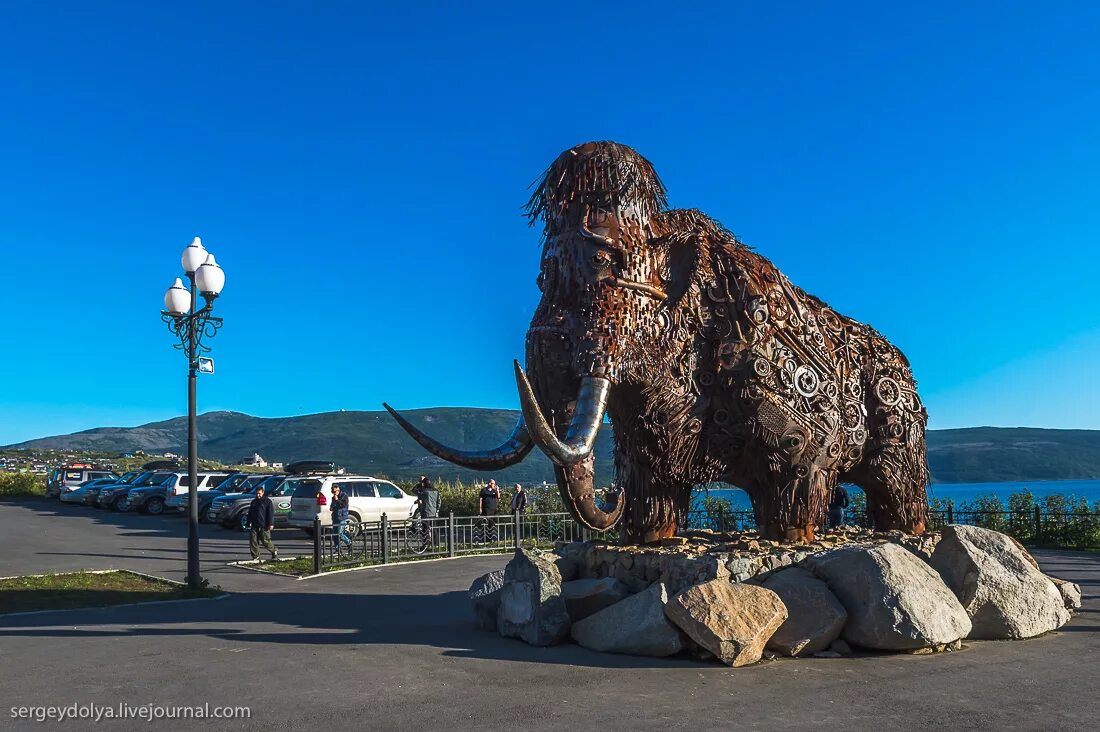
371, 442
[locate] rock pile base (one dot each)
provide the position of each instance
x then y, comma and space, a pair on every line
739, 599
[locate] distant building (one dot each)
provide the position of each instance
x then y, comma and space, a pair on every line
254, 460
275, 466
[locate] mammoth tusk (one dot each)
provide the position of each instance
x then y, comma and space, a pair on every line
576, 486
510, 452
583, 427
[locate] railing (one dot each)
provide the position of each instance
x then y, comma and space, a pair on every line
385, 541
1071, 529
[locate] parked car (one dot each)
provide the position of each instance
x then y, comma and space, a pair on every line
206, 495
112, 496
127, 481
152, 499
224, 509
88, 493
71, 477
80, 493
368, 499
232, 510
207, 498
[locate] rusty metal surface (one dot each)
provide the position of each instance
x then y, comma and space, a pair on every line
719, 367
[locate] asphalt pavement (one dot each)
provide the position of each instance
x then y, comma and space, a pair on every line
394, 648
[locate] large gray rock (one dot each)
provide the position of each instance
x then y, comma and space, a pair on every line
732, 621
1070, 591
484, 597
815, 617
636, 626
1004, 593
586, 597
531, 607
567, 568
895, 601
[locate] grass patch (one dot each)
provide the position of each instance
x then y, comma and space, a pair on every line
21, 485
90, 589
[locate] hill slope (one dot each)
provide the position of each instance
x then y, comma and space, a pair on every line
372, 442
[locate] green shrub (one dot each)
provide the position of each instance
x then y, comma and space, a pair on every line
462, 498
21, 485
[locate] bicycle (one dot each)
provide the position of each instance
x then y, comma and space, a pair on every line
418, 534
343, 540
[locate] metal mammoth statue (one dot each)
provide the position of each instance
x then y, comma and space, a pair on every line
709, 362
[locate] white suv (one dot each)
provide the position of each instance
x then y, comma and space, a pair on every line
368, 499
154, 499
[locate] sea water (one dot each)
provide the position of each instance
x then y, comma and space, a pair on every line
961, 492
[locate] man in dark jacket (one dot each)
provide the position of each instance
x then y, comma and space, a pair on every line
261, 520
519, 500
427, 498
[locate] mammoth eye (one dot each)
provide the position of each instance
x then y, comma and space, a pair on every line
601, 260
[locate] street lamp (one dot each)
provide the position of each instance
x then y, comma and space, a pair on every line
191, 326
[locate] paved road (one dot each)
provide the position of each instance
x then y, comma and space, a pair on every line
392, 648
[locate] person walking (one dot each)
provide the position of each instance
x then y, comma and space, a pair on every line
519, 500
261, 520
837, 506
339, 511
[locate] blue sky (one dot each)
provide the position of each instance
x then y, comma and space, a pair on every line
358, 170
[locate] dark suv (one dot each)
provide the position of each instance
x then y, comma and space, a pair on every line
112, 496
231, 510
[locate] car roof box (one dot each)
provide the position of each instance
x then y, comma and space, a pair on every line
161, 465
305, 467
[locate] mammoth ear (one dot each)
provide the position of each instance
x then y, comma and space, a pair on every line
686, 253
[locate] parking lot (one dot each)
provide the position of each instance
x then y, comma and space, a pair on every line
56, 537
394, 648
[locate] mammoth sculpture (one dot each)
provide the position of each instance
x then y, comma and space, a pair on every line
709, 362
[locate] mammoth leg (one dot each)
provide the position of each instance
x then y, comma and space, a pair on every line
894, 479
652, 511
790, 506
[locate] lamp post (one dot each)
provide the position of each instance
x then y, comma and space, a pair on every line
191, 326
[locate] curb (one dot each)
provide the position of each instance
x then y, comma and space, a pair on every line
401, 564
253, 565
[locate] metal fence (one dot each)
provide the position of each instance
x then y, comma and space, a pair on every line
384, 541
1070, 529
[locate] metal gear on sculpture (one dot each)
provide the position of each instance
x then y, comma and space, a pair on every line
710, 363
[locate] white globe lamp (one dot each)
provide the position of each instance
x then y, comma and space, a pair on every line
177, 301
210, 278
193, 256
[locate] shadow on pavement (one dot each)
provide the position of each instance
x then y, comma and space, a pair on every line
314, 619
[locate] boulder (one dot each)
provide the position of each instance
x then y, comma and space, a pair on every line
484, 597
1002, 591
635, 626
567, 568
732, 621
531, 607
814, 616
1070, 591
585, 597
895, 602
